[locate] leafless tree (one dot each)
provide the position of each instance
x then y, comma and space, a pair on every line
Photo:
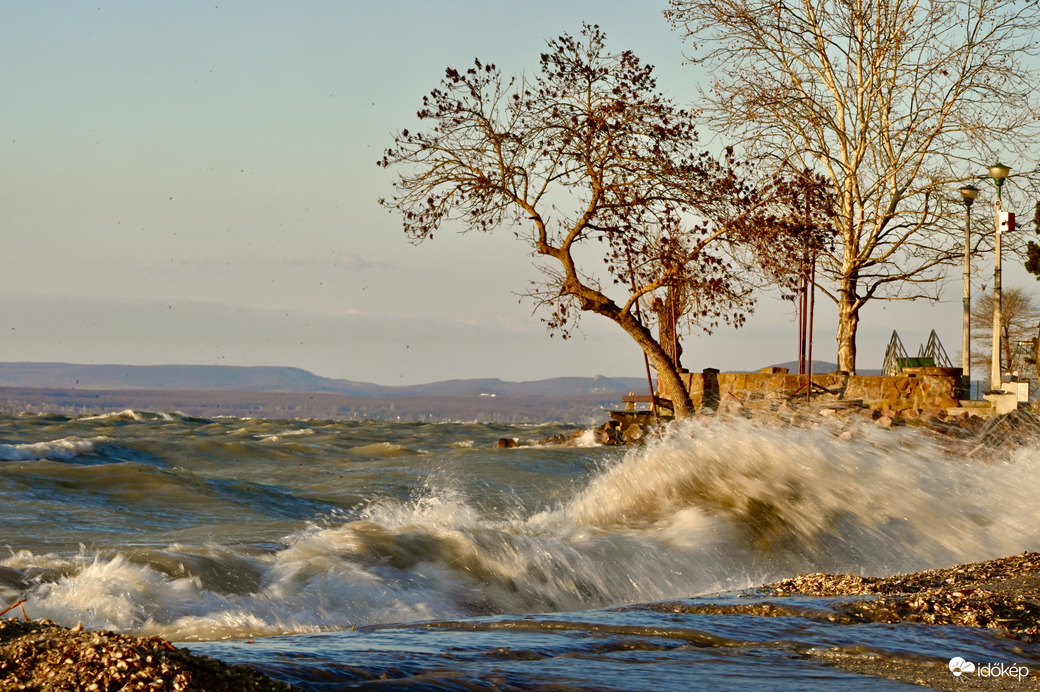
896, 102
1020, 316
596, 172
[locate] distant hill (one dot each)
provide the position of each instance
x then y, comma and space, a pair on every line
817, 366
229, 378
283, 392
557, 386
821, 366
188, 377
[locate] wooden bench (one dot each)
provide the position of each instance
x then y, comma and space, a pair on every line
643, 417
630, 400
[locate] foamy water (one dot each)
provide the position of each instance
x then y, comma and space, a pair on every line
232, 529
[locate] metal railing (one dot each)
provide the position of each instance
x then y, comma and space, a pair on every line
930, 354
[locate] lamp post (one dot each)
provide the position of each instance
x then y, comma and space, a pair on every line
968, 194
999, 172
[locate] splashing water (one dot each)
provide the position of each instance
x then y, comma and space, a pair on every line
874, 501
461, 530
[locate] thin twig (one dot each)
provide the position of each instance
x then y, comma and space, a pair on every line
12, 607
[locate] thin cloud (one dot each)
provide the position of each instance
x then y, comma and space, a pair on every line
355, 263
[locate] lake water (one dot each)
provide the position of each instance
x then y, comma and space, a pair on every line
331, 554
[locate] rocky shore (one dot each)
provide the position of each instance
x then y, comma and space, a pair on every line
44, 657
1002, 595
993, 433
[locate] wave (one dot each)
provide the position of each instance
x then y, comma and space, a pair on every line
700, 510
380, 449
276, 437
56, 450
873, 500
145, 416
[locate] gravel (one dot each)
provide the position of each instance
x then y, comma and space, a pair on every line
43, 657
1002, 595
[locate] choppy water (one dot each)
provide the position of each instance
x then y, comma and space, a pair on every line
332, 553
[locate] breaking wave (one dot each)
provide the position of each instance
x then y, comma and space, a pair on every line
56, 450
701, 509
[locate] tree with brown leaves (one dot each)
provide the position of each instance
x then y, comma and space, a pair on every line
595, 171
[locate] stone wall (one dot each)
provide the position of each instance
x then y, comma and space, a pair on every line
916, 388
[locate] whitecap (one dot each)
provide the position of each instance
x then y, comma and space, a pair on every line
57, 450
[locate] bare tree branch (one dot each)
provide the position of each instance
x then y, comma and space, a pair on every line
587, 151
893, 101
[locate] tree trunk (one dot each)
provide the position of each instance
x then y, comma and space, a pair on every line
667, 335
668, 377
674, 388
1009, 350
848, 323
1036, 341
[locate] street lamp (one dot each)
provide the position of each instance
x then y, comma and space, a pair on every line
999, 172
968, 194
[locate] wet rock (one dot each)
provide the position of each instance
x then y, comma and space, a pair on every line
633, 434
910, 414
731, 406
868, 412
1000, 594
562, 438
45, 657
1010, 430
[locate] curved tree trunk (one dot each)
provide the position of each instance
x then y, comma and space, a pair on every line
671, 383
669, 380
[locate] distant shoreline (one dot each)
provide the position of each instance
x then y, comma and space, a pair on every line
571, 410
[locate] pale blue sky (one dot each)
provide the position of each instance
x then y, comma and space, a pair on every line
195, 182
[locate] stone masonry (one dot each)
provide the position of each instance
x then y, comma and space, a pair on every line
921, 389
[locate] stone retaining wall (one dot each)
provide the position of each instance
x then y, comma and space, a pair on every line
916, 388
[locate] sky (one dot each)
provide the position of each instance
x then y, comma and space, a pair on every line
195, 183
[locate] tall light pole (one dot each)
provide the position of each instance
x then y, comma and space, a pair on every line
999, 172
968, 194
